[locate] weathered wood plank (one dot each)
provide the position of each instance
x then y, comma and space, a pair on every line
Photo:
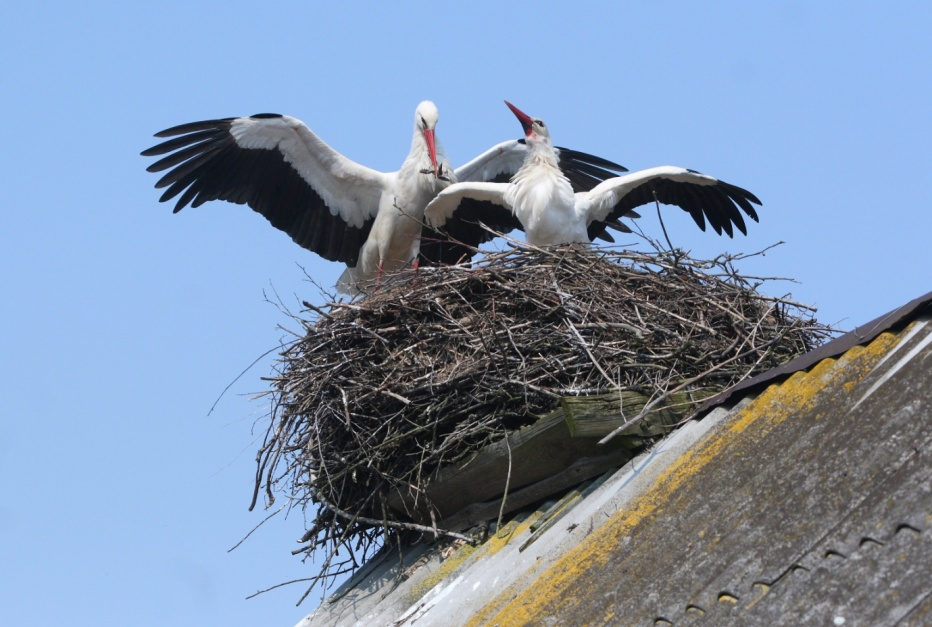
535, 453
526, 456
597, 416
544, 458
574, 474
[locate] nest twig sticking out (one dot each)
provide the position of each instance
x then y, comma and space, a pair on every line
378, 394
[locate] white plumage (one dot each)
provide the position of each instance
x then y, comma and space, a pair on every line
543, 201
343, 211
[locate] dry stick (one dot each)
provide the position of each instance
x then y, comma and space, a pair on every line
595, 362
288, 583
317, 310
759, 253
254, 529
394, 524
324, 573
501, 511
397, 397
346, 411
662, 225
433, 523
262, 458
239, 376
650, 405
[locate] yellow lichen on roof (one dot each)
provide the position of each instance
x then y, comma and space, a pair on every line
495, 543
450, 564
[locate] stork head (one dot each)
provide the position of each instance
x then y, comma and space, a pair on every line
425, 121
535, 131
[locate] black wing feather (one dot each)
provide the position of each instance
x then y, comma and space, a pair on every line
204, 163
718, 204
464, 232
585, 171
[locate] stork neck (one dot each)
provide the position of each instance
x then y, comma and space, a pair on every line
419, 156
417, 169
418, 143
541, 153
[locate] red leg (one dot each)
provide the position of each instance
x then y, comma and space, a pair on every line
416, 265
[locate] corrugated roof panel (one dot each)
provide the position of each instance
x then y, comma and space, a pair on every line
811, 463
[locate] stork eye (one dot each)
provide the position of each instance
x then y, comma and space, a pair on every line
423, 122
541, 122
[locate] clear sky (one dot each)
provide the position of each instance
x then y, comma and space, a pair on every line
123, 323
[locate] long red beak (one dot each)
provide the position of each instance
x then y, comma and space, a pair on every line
431, 148
524, 118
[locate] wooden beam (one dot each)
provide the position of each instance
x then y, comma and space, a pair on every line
597, 416
553, 454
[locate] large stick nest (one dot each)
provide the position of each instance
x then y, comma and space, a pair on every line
379, 394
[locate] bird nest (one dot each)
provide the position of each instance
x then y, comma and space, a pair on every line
377, 395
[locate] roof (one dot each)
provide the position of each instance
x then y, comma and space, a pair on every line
803, 497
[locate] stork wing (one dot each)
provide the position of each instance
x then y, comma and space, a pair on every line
704, 197
499, 163
463, 231
281, 169
465, 219
457, 215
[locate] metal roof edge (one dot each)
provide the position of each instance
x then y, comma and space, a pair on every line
863, 334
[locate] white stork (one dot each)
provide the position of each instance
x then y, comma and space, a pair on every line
551, 211
369, 220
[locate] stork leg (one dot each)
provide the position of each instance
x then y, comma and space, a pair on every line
378, 278
415, 264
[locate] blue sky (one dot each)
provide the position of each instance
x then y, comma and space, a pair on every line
123, 323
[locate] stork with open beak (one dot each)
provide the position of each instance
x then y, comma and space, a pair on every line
551, 212
343, 211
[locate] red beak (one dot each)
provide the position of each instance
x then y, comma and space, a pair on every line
431, 148
524, 118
